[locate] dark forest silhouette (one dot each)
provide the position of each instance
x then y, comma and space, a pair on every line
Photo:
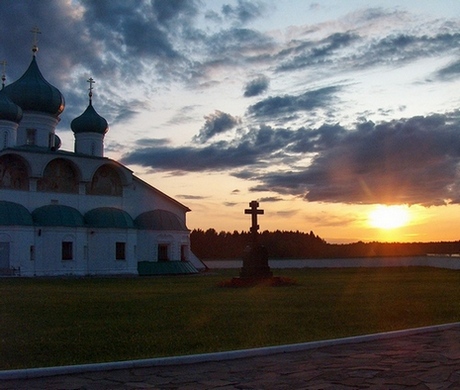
211, 244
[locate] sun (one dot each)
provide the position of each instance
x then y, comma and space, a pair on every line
389, 217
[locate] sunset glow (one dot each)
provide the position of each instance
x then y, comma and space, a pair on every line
389, 217
321, 111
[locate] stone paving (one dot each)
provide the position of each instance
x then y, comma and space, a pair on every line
429, 360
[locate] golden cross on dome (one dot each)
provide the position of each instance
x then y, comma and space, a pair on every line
91, 82
35, 31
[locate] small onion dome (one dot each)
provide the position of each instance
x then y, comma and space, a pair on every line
89, 122
9, 111
32, 92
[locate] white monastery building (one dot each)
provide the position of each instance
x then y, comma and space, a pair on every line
77, 213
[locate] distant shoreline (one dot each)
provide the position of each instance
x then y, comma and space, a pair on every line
437, 261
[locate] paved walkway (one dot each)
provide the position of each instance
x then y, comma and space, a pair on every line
426, 359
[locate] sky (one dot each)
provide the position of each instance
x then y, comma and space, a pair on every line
322, 111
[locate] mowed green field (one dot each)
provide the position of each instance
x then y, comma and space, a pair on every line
49, 322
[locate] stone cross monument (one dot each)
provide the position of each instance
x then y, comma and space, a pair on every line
255, 256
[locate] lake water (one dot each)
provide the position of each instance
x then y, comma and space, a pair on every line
426, 261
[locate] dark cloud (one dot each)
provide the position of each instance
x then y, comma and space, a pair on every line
256, 86
138, 28
239, 42
395, 49
307, 53
350, 50
168, 11
271, 199
217, 123
409, 161
244, 11
216, 157
449, 72
191, 197
289, 104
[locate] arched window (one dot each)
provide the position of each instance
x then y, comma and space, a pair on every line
59, 176
13, 173
106, 181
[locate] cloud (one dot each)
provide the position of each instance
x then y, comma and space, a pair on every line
139, 28
244, 11
256, 86
306, 53
191, 197
276, 106
407, 161
216, 157
329, 219
449, 72
217, 123
236, 43
271, 199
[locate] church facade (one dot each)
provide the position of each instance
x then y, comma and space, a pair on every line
77, 213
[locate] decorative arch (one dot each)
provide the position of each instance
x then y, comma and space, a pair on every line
60, 175
106, 181
14, 172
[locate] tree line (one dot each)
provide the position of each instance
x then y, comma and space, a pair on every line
211, 244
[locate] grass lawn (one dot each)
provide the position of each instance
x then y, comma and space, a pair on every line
48, 322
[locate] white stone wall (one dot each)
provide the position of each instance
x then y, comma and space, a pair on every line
101, 251
148, 241
8, 134
91, 144
94, 249
44, 124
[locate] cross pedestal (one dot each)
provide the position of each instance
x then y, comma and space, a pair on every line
255, 256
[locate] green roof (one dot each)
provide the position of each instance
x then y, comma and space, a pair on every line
32, 92
14, 214
89, 122
109, 217
57, 215
159, 220
9, 111
165, 268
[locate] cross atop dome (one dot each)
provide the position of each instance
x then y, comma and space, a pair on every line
91, 82
3, 64
35, 31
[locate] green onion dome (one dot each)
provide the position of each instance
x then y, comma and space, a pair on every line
89, 122
32, 92
9, 111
